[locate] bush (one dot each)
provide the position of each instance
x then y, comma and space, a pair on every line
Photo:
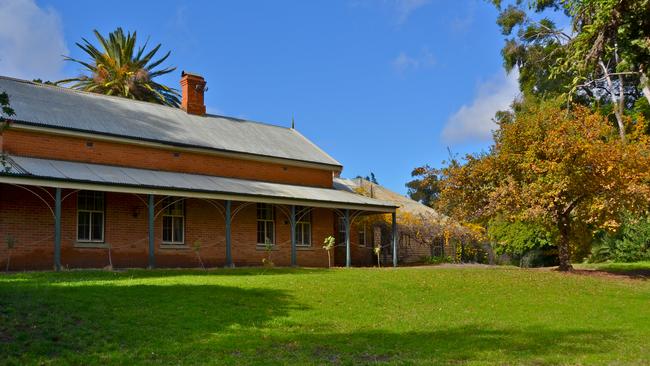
518, 237
631, 243
600, 252
436, 259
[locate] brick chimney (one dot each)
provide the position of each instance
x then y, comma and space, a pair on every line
193, 86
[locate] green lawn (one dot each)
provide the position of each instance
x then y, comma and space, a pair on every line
475, 316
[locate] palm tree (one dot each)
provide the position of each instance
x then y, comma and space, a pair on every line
119, 70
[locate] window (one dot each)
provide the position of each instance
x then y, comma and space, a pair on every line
303, 227
173, 221
341, 230
90, 216
265, 224
362, 235
405, 240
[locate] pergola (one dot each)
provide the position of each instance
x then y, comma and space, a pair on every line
227, 195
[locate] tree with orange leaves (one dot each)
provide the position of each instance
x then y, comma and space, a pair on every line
553, 166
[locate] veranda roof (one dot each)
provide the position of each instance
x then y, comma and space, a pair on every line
77, 175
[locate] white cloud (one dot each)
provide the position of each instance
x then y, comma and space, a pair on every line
405, 8
474, 122
403, 62
31, 41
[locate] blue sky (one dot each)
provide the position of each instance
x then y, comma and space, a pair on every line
382, 85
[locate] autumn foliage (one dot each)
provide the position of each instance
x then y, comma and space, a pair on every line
553, 166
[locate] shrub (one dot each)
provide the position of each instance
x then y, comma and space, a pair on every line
631, 243
474, 252
518, 237
436, 259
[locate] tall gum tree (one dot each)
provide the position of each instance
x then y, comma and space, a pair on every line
602, 59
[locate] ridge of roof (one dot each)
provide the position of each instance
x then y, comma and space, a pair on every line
77, 91
123, 99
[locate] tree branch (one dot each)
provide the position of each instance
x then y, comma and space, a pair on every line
617, 109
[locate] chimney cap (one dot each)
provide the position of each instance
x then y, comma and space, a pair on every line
188, 73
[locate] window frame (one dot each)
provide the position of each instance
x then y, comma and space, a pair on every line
90, 216
266, 221
341, 231
303, 225
168, 204
363, 231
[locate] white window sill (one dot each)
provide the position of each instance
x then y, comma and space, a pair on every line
174, 246
262, 247
89, 244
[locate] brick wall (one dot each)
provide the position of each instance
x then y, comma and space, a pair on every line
41, 145
28, 220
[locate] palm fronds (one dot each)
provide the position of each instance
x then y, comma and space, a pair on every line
116, 68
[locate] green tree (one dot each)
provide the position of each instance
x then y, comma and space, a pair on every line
424, 188
518, 237
5, 108
533, 46
612, 40
118, 69
370, 178
601, 61
5, 111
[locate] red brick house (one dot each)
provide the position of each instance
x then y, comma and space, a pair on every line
87, 180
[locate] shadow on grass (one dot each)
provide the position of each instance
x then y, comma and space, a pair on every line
83, 324
453, 345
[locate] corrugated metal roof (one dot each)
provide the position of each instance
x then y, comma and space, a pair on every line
58, 107
382, 193
112, 175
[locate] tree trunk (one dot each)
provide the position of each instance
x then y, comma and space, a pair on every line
198, 255
8, 260
564, 227
645, 86
110, 258
618, 112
